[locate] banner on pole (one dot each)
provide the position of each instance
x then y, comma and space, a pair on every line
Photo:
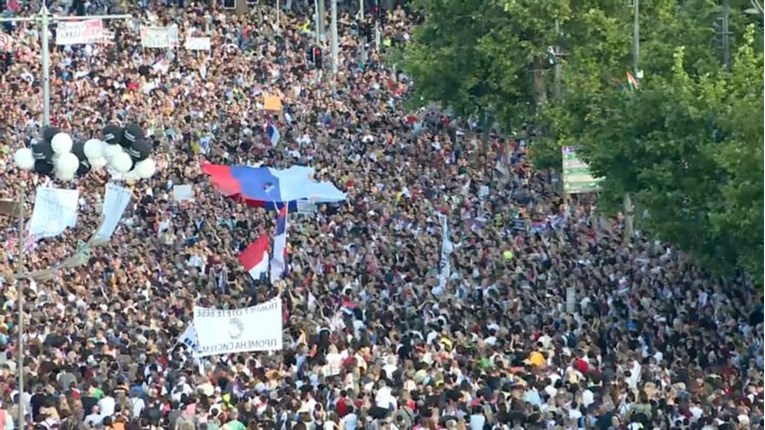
577, 177
227, 331
445, 267
198, 43
79, 32
159, 37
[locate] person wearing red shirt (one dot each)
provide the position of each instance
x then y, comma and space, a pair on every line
342, 404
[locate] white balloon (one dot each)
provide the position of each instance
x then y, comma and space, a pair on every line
122, 162
145, 169
24, 159
93, 149
111, 150
64, 176
98, 163
61, 143
67, 163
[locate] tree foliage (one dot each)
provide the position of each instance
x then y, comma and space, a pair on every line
687, 144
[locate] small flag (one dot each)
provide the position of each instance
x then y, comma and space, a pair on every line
273, 134
278, 263
255, 257
632, 82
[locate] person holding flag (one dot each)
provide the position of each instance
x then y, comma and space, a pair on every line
278, 262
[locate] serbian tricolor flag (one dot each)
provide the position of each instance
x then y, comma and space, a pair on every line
278, 262
272, 133
255, 257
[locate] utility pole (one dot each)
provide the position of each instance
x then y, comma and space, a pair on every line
44, 18
320, 12
317, 23
635, 37
557, 67
362, 31
726, 34
20, 303
378, 15
333, 11
629, 207
278, 17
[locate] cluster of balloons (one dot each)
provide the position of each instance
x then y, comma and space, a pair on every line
124, 150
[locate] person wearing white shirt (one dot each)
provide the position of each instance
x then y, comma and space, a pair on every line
137, 405
350, 421
477, 419
107, 405
384, 396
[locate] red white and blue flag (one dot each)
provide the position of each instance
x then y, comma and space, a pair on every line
272, 133
279, 260
255, 257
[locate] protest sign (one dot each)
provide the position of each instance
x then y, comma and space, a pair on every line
159, 37
197, 43
79, 32
226, 331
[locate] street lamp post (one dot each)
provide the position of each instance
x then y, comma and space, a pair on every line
44, 18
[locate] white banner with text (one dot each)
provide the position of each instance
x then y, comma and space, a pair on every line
79, 32
227, 331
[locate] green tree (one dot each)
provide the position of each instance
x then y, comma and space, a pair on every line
488, 57
689, 148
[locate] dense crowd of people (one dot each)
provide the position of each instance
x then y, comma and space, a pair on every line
548, 319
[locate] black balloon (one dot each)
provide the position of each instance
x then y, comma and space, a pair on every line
132, 134
43, 167
49, 132
112, 134
78, 149
139, 151
84, 167
42, 151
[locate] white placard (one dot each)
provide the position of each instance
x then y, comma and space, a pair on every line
183, 193
54, 211
116, 200
227, 331
189, 338
79, 32
198, 43
159, 37
306, 207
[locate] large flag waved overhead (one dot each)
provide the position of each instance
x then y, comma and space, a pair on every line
255, 257
263, 185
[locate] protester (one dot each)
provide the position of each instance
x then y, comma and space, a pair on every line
548, 319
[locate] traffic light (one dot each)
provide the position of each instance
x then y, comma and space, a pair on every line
317, 58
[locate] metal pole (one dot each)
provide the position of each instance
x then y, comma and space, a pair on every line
318, 23
629, 207
278, 16
557, 69
322, 30
44, 22
334, 37
362, 31
726, 34
20, 300
377, 27
636, 38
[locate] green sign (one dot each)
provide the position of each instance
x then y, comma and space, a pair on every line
577, 178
